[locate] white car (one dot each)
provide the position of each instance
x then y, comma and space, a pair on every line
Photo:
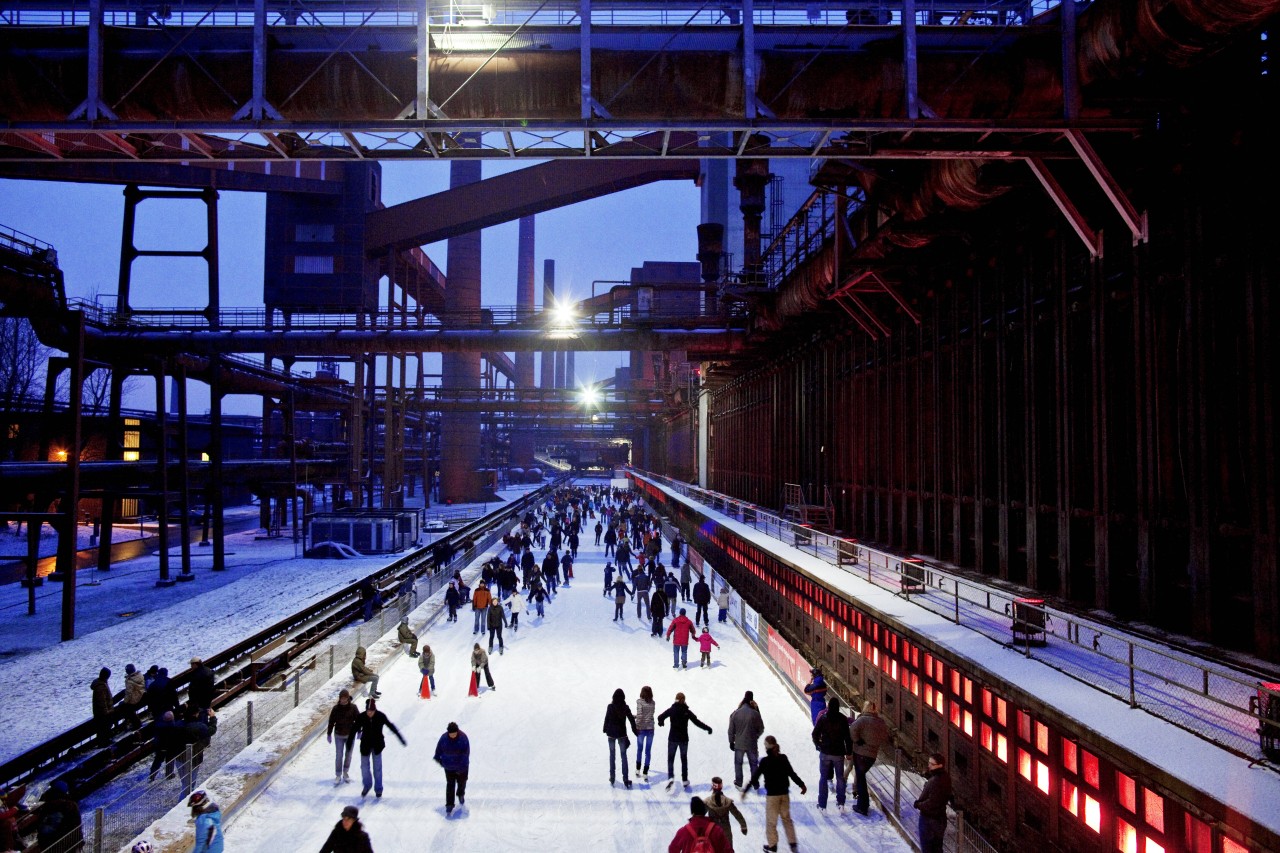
435, 525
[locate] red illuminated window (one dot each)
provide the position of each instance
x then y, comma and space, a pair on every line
1199, 836
1090, 768
968, 723
1153, 809
1002, 748
939, 671
1024, 725
988, 741
1153, 847
955, 682
1126, 837
1070, 798
955, 714
1126, 793
1069, 756
1042, 738
928, 694
915, 684
968, 691
1092, 814
1229, 846
937, 701
1002, 712
986, 701
928, 665
1042, 777
1024, 764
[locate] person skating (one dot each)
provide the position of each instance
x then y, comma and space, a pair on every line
452, 598
208, 818
777, 772
453, 753
348, 835
702, 599
372, 743
480, 661
868, 733
720, 808
705, 642
538, 596
745, 728
645, 709
599, 530
620, 592
361, 672
722, 604
497, 621
344, 720
831, 737
406, 636
642, 582
516, 603
480, 607
427, 666
658, 605
616, 717
816, 690
932, 805
688, 838
681, 716
682, 628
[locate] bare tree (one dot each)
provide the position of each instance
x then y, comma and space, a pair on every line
22, 365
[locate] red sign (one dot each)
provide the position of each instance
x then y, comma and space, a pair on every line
787, 658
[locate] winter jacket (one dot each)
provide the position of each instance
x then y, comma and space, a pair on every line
682, 627
208, 825
719, 811
372, 738
642, 581
644, 715
359, 670
480, 598
59, 828
745, 726
935, 795
868, 734
671, 589
705, 642
454, 754
831, 734
722, 599
200, 689
452, 597
479, 658
405, 634
497, 616
135, 687
616, 717
776, 770
697, 827
343, 840
620, 590
517, 605
658, 604
427, 662
102, 700
681, 717
816, 690
701, 593
343, 719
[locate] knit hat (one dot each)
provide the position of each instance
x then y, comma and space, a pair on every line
697, 807
748, 696
452, 727
198, 799
350, 811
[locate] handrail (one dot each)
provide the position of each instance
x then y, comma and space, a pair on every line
1207, 699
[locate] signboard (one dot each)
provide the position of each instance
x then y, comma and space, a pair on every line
787, 658
620, 483
751, 621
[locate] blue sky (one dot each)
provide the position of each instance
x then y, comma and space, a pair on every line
595, 240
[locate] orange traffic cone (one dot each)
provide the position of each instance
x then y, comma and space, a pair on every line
473, 690
425, 690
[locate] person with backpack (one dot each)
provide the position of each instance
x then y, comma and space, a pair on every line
700, 834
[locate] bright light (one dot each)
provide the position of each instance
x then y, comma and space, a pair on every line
589, 395
60, 455
563, 315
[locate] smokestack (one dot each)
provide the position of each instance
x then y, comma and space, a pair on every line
548, 302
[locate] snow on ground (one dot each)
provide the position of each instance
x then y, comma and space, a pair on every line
539, 776
123, 617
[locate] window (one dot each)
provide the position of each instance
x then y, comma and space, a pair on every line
955, 682
1153, 809
1092, 814
1024, 764
968, 723
1001, 712
988, 741
955, 714
1229, 846
1002, 748
1126, 837
1042, 738
1024, 725
313, 264
1153, 847
1069, 756
968, 691
1126, 793
1070, 798
1042, 777
986, 701
313, 233
1090, 768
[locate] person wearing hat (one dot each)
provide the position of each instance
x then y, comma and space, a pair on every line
406, 636
720, 808
453, 753
102, 705
778, 774
372, 743
745, 728
135, 688
816, 690
200, 690
699, 827
480, 607
362, 673
208, 817
348, 835
344, 720
58, 824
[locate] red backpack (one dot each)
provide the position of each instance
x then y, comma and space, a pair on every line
701, 843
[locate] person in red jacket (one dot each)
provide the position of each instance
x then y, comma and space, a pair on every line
698, 827
682, 626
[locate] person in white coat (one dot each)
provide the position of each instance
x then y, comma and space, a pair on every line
516, 604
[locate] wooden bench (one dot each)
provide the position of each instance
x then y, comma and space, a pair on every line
269, 661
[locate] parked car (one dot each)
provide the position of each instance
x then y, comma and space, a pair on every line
194, 516
435, 525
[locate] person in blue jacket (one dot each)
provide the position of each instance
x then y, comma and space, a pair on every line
208, 819
453, 753
816, 690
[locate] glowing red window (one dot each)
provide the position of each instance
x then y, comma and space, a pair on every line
1042, 737
928, 664
1199, 836
988, 741
1153, 809
937, 701
1126, 793
1126, 837
968, 723
939, 671
928, 694
1024, 725
1002, 712
1069, 756
1024, 764
968, 691
915, 657
1042, 777
1070, 798
1153, 847
1090, 768
915, 684
1092, 814
893, 672
986, 702
1002, 748
955, 682
955, 714
1229, 846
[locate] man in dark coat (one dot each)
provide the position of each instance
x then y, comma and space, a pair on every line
778, 774
831, 737
348, 835
702, 598
868, 733
453, 753
102, 706
616, 716
372, 743
681, 716
932, 804
745, 728
201, 690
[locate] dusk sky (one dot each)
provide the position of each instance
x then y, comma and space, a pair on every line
595, 240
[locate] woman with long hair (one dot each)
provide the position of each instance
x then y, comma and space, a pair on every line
645, 708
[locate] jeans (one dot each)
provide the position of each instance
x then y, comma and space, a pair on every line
644, 747
724, 615
932, 831
621, 743
752, 755
538, 606
343, 748
478, 625
679, 655
861, 764
683, 746
830, 772
372, 681
618, 604
375, 780
642, 598
455, 781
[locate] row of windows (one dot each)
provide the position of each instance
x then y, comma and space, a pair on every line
974, 711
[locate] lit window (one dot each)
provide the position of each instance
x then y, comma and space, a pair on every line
1090, 768
1070, 798
1042, 777
1092, 814
955, 682
1042, 738
968, 691
1002, 748
1024, 725
938, 670
893, 673
1002, 712
1126, 794
1153, 847
988, 742
131, 456
1153, 809
955, 714
986, 701
968, 723
1024, 764
1126, 837
1069, 756
928, 694
1229, 846
915, 684
937, 701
